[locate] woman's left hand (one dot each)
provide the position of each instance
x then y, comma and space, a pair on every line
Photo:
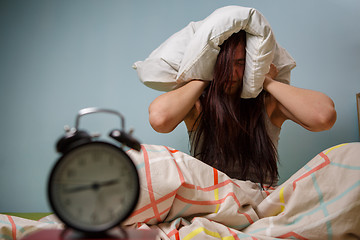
273, 72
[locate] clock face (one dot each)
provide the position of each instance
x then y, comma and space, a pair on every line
93, 187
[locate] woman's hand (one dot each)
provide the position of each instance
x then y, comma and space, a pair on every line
273, 72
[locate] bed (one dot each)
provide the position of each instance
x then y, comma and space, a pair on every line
183, 198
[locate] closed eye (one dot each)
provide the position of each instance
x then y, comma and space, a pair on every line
240, 62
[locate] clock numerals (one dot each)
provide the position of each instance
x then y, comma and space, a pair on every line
80, 211
122, 200
96, 156
111, 161
124, 172
67, 202
95, 219
111, 215
82, 162
70, 173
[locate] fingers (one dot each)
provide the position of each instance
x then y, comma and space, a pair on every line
273, 72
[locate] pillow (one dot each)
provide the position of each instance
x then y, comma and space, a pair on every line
191, 53
159, 70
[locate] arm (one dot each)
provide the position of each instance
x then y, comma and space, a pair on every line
313, 110
171, 108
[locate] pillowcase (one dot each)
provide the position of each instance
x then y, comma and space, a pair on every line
160, 69
191, 53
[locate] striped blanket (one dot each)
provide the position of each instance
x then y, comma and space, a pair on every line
183, 198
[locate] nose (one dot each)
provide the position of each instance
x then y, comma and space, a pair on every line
237, 75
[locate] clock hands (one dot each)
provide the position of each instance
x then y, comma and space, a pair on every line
108, 183
95, 186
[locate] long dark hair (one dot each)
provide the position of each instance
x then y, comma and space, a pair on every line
232, 131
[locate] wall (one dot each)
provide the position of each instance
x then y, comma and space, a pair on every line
57, 57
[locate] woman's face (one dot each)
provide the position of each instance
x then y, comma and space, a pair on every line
238, 69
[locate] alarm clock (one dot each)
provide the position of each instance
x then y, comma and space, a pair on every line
94, 185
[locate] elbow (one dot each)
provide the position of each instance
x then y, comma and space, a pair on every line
326, 119
160, 122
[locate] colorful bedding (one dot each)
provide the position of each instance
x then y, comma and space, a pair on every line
183, 198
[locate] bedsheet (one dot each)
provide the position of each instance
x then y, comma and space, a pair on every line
183, 198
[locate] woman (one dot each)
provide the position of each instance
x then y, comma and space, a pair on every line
239, 136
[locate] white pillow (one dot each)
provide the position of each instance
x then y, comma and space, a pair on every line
191, 53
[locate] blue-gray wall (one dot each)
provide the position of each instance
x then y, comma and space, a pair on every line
57, 57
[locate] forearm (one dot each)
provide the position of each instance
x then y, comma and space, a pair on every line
170, 108
312, 109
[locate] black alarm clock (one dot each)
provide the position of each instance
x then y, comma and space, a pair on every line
94, 185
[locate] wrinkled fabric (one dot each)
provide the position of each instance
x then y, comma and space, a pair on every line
183, 198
